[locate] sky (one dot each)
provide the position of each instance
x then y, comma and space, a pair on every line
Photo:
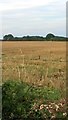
32, 17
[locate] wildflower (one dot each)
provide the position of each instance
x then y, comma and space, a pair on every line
53, 116
57, 107
47, 107
65, 114
36, 110
60, 104
41, 107
50, 106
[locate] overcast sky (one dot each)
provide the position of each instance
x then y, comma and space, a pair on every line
32, 17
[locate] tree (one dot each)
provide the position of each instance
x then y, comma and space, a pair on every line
5, 37
8, 37
50, 36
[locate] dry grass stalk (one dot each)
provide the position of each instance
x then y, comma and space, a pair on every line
23, 63
46, 75
19, 74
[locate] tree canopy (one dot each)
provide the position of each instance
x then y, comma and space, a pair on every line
8, 37
49, 37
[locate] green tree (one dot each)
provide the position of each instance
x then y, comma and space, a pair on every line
49, 36
8, 37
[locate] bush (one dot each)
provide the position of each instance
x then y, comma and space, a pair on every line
21, 101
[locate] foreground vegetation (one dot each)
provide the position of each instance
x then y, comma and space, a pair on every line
24, 101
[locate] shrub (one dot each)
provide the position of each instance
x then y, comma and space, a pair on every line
21, 100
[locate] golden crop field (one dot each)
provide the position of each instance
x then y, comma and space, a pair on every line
38, 63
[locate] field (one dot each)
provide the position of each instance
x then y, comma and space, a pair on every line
40, 64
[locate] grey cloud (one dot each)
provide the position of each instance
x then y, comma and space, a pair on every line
35, 21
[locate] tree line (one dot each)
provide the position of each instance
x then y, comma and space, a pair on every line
49, 37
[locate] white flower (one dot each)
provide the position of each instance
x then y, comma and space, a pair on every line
61, 104
50, 106
41, 106
46, 107
65, 114
53, 116
57, 107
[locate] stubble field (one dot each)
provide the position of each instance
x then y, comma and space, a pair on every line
39, 63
